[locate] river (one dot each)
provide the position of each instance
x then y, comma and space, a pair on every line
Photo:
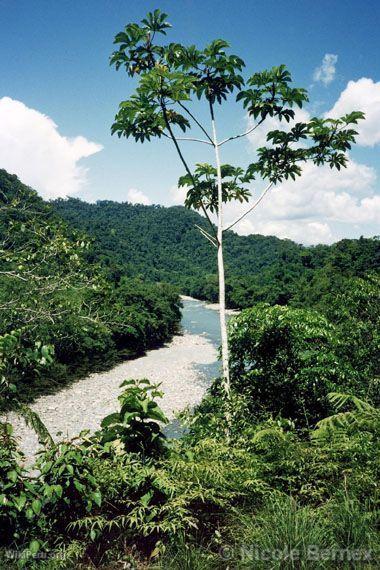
199, 319
184, 367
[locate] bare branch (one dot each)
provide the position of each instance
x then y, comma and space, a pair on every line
13, 274
207, 235
251, 207
188, 139
196, 121
242, 134
194, 140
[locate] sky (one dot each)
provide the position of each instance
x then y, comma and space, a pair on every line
58, 98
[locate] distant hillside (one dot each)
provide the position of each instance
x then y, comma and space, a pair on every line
61, 315
163, 244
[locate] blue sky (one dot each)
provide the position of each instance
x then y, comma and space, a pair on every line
58, 97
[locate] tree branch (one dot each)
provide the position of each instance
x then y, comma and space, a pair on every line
189, 139
251, 208
242, 134
193, 140
207, 235
13, 274
196, 121
184, 161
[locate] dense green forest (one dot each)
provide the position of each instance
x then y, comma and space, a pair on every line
163, 244
260, 454
58, 307
294, 484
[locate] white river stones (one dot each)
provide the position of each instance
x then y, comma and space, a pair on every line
83, 404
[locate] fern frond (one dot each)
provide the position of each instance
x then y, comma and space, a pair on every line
271, 433
33, 420
341, 400
364, 416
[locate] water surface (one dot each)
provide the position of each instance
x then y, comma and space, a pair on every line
198, 319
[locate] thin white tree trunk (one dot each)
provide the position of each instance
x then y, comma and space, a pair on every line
222, 286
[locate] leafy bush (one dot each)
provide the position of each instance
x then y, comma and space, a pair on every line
355, 310
69, 487
285, 362
137, 427
14, 495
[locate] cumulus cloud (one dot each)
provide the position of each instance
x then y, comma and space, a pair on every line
323, 205
320, 207
304, 231
325, 73
32, 147
177, 196
137, 197
362, 95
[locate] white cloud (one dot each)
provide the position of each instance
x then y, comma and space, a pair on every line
137, 197
362, 95
32, 148
302, 232
177, 196
320, 207
325, 73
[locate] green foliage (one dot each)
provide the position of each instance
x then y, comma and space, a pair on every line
283, 527
285, 362
61, 313
351, 303
351, 524
68, 484
137, 427
185, 556
289, 536
163, 244
264, 489
362, 415
15, 495
11, 352
141, 503
202, 190
355, 310
173, 74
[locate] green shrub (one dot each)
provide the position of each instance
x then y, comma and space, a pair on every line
67, 483
137, 426
284, 361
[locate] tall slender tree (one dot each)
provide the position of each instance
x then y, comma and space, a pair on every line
174, 80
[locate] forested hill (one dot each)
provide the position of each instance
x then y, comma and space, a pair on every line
60, 315
163, 244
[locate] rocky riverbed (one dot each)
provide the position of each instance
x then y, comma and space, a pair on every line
84, 404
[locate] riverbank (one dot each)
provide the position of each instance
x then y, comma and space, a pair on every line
84, 404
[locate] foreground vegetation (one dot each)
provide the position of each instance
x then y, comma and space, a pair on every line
297, 499
294, 484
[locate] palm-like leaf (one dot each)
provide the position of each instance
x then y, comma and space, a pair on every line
362, 415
